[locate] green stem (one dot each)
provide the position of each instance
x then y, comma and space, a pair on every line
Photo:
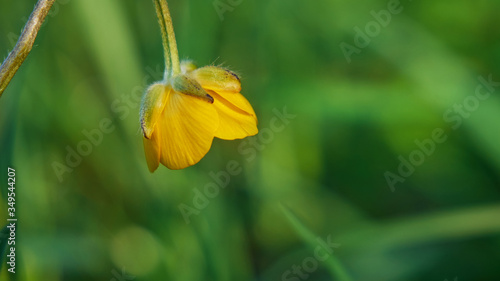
164, 36
24, 44
174, 54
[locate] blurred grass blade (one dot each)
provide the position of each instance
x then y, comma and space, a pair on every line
332, 263
439, 226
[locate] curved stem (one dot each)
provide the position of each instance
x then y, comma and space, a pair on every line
174, 54
164, 36
24, 44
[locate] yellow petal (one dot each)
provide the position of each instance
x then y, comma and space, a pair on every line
237, 119
217, 79
152, 105
185, 130
152, 152
237, 100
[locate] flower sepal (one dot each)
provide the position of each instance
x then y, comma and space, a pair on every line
152, 105
217, 79
187, 85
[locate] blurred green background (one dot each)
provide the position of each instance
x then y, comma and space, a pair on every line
322, 174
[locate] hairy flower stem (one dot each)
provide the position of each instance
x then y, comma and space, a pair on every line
169, 43
24, 44
164, 36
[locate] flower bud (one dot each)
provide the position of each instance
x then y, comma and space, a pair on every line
187, 66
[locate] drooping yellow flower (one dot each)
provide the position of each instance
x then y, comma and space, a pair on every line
182, 114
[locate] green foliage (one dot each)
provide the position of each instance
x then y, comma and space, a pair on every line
99, 214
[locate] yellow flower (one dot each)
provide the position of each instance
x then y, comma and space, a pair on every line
179, 122
182, 114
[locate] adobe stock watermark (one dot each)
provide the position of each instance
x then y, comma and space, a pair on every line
92, 138
123, 276
363, 37
223, 6
54, 10
303, 270
455, 117
247, 148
